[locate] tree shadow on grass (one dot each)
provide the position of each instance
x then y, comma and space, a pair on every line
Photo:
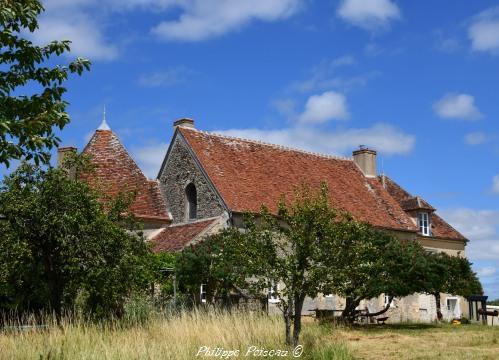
397, 327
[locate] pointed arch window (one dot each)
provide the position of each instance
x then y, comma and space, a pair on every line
192, 201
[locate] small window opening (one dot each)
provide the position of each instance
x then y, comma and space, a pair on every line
202, 293
192, 201
386, 300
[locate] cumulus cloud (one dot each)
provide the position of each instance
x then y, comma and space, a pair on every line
481, 227
85, 22
324, 107
457, 106
483, 31
86, 37
369, 14
383, 137
168, 77
150, 157
204, 19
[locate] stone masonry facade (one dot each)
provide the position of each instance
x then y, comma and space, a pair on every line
178, 172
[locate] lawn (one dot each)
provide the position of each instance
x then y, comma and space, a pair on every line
182, 337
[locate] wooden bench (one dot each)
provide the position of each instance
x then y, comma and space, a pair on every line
382, 320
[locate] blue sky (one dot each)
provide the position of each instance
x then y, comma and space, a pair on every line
416, 80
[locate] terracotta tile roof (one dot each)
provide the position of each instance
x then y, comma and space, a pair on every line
115, 172
439, 227
248, 174
176, 237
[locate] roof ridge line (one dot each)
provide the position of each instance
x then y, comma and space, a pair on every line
278, 146
197, 221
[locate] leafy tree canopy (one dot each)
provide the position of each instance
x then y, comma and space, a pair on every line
58, 244
27, 120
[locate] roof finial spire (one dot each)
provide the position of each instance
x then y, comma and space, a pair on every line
104, 125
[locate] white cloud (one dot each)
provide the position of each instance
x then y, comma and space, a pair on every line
345, 60
168, 77
86, 38
84, 22
457, 106
446, 43
486, 271
150, 157
495, 184
72, 20
324, 107
325, 76
204, 19
477, 138
484, 31
369, 14
382, 137
480, 227
285, 107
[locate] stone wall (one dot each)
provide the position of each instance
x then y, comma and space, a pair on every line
179, 171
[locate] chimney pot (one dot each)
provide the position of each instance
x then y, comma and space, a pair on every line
365, 159
184, 122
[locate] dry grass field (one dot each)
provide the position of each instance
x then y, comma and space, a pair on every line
181, 337
419, 341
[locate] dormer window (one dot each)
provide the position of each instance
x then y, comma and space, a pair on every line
191, 201
424, 223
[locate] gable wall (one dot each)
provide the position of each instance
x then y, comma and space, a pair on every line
181, 169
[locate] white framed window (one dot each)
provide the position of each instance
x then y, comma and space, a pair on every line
424, 223
202, 293
274, 292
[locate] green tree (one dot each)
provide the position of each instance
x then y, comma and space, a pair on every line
57, 244
210, 262
451, 275
27, 120
294, 249
370, 262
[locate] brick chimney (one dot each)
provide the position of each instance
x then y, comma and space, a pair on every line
184, 122
365, 159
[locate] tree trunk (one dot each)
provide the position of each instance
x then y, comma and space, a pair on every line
297, 319
288, 316
348, 313
55, 287
437, 303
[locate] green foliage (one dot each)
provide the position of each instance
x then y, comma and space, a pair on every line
291, 249
58, 244
212, 262
493, 302
452, 275
27, 121
311, 248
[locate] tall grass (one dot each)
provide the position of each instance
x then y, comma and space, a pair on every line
179, 336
